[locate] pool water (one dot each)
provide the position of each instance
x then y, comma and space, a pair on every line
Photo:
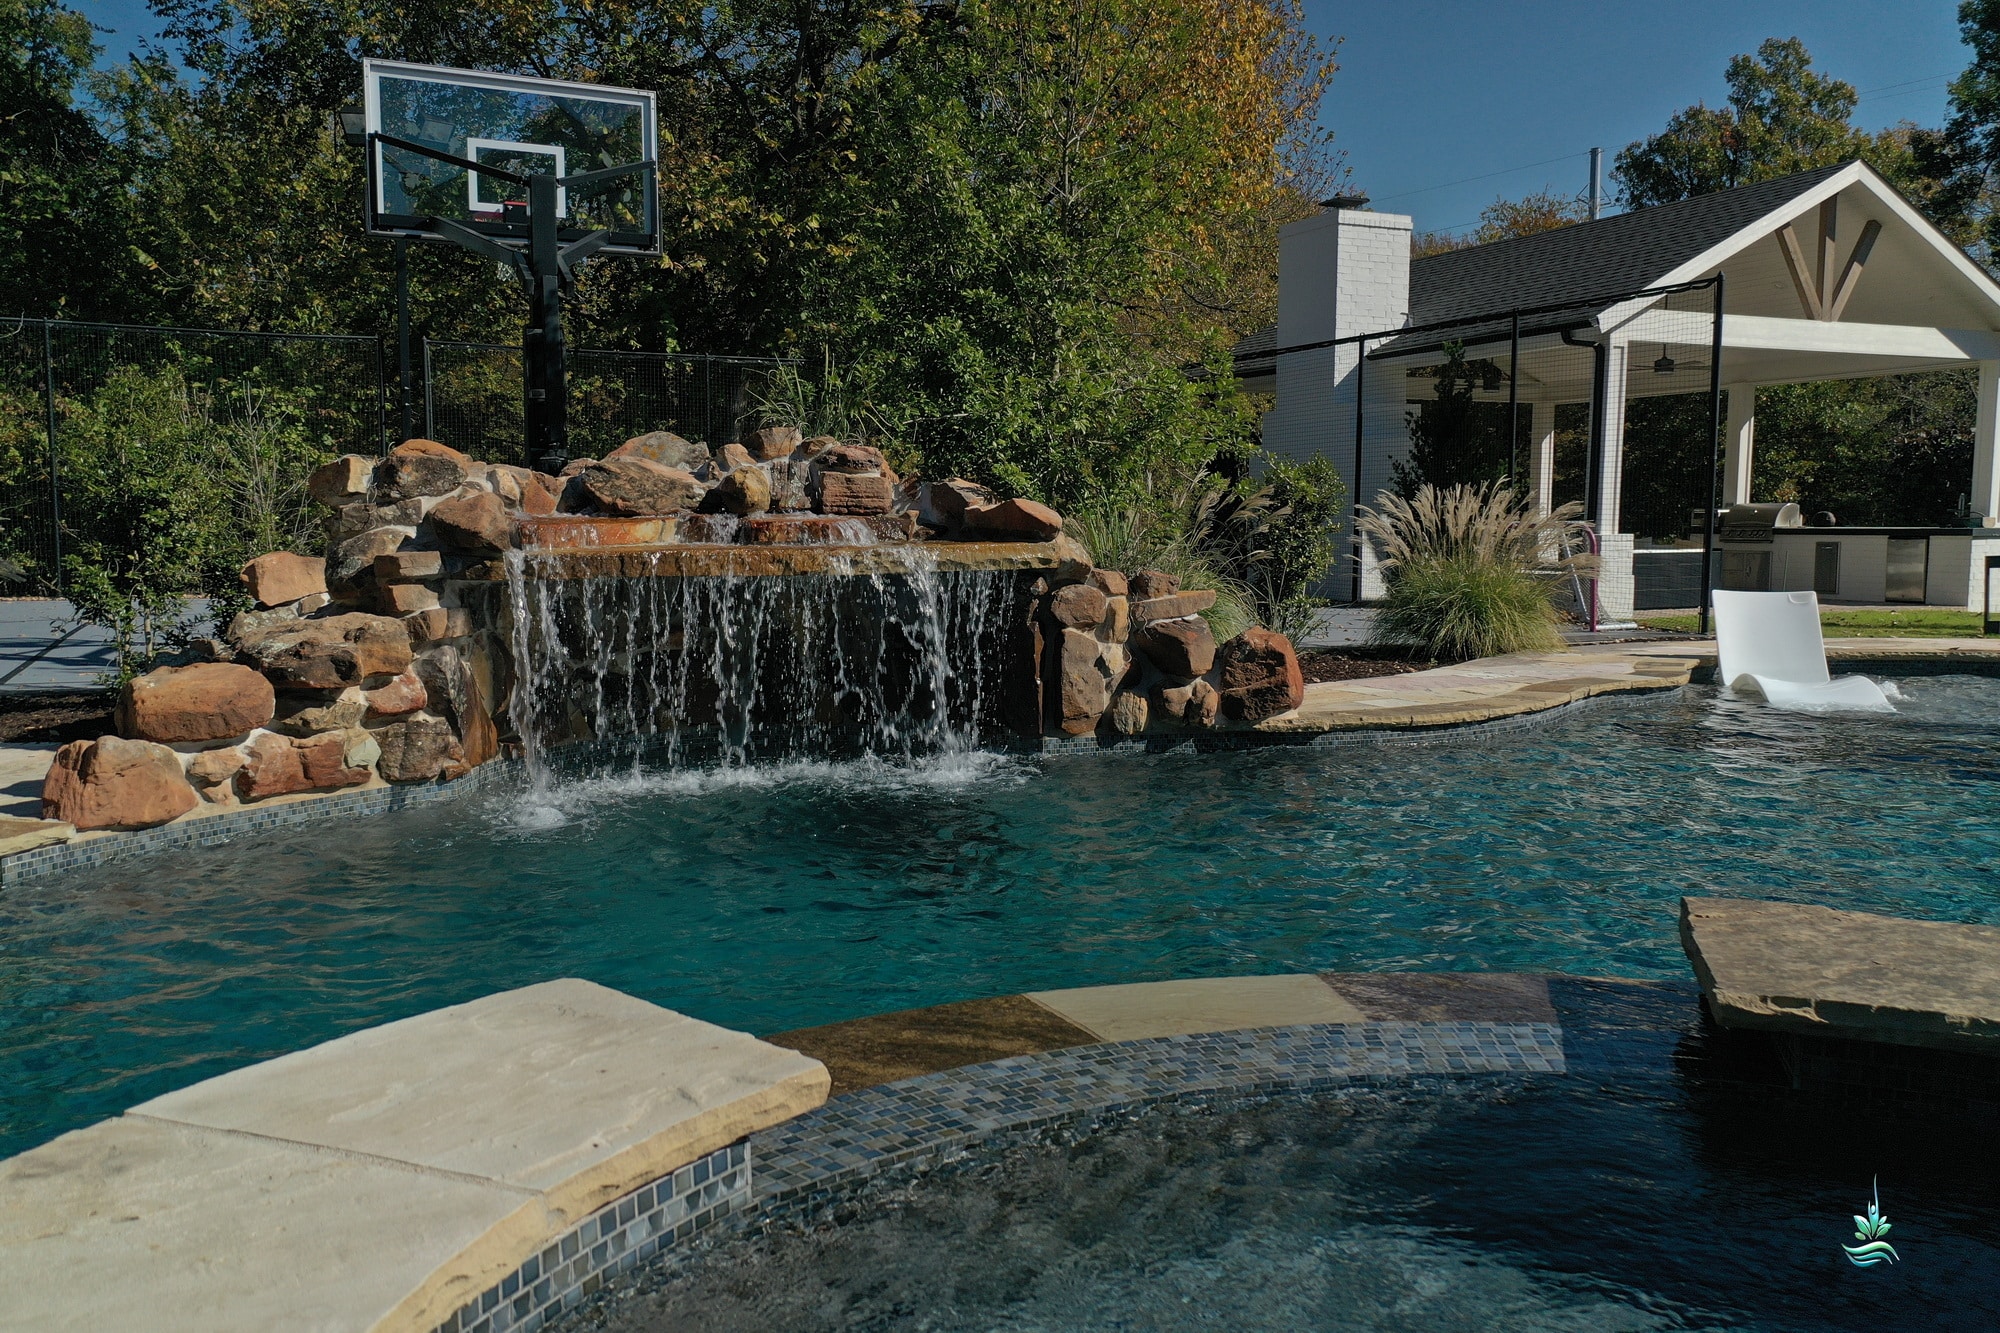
1652, 1187
779, 897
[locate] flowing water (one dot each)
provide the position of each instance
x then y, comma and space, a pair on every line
734, 670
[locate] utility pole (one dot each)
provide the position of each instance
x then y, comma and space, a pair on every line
1596, 184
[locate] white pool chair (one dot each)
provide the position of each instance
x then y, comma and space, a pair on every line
1769, 646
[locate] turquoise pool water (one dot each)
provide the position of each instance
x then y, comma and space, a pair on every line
779, 897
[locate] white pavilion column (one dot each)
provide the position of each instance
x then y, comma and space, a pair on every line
1986, 443
1739, 441
1542, 455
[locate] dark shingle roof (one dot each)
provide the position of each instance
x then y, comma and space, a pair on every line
1587, 263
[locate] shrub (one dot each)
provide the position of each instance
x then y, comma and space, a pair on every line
1469, 571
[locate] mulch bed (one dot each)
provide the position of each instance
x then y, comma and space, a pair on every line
56, 716
1357, 664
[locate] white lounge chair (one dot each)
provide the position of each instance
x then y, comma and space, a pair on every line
1769, 646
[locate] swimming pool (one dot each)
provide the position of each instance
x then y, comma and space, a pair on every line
774, 898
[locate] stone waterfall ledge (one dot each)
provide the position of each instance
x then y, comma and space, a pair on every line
414, 1176
1795, 969
693, 560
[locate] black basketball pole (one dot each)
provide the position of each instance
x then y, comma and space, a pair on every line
547, 416
403, 338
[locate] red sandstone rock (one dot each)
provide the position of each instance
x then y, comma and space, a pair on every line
663, 447
1079, 606
417, 750
208, 702
1110, 582
1083, 688
116, 783
331, 653
853, 493
1015, 520
635, 487
1173, 606
343, 481
744, 492
405, 566
1260, 676
1180, 648
440, 623
281, 577
323, 759
404, 599
476, 522
948, 500
1150, 583
430, 449
404, 694
772, 442
406, 475
854, 459
729, 457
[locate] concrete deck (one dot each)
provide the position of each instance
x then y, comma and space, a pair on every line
1820, 972
378, 1181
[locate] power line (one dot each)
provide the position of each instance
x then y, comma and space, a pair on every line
1504, 171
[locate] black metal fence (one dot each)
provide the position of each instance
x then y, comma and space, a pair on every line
472, 397
122, 445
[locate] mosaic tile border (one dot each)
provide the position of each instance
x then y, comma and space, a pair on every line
803, 1162
213, 829
1451, 733
614, 1239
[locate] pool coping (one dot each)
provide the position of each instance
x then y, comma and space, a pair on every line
318, 1159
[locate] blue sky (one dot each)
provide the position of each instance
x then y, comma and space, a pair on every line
1433, 92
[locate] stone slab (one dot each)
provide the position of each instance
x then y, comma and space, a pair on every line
18, 834
567, 1088
141, 1224
883, 1048
1210, 1004
1823, 972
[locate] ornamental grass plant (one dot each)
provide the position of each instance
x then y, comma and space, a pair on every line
1470, 571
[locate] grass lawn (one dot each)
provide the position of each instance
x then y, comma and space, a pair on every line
1926, 623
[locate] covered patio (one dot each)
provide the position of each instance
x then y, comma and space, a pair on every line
1827, 275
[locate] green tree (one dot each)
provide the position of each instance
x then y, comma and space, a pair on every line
62, 219
1968, 153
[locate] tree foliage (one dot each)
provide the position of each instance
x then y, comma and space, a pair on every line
1504, 219
1008, 225
1455, 440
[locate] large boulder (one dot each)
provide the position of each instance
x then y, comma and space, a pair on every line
352, 567
341, 482
281, 577
1150, 583
729, 457
772, 442
417, 750
417, 445
1014, 520
475, 522
1173, 606
1079, 606
743, 492
404, 476
116, 783
856, 459
634, 487
404, 694
945, 502
1129, 712
855, 493
1083, 683
279, 765
1259, 676
209, 702
331, 653
665, 448
311, 713
1179, 648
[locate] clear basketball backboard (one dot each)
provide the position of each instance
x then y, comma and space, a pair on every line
520, 125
